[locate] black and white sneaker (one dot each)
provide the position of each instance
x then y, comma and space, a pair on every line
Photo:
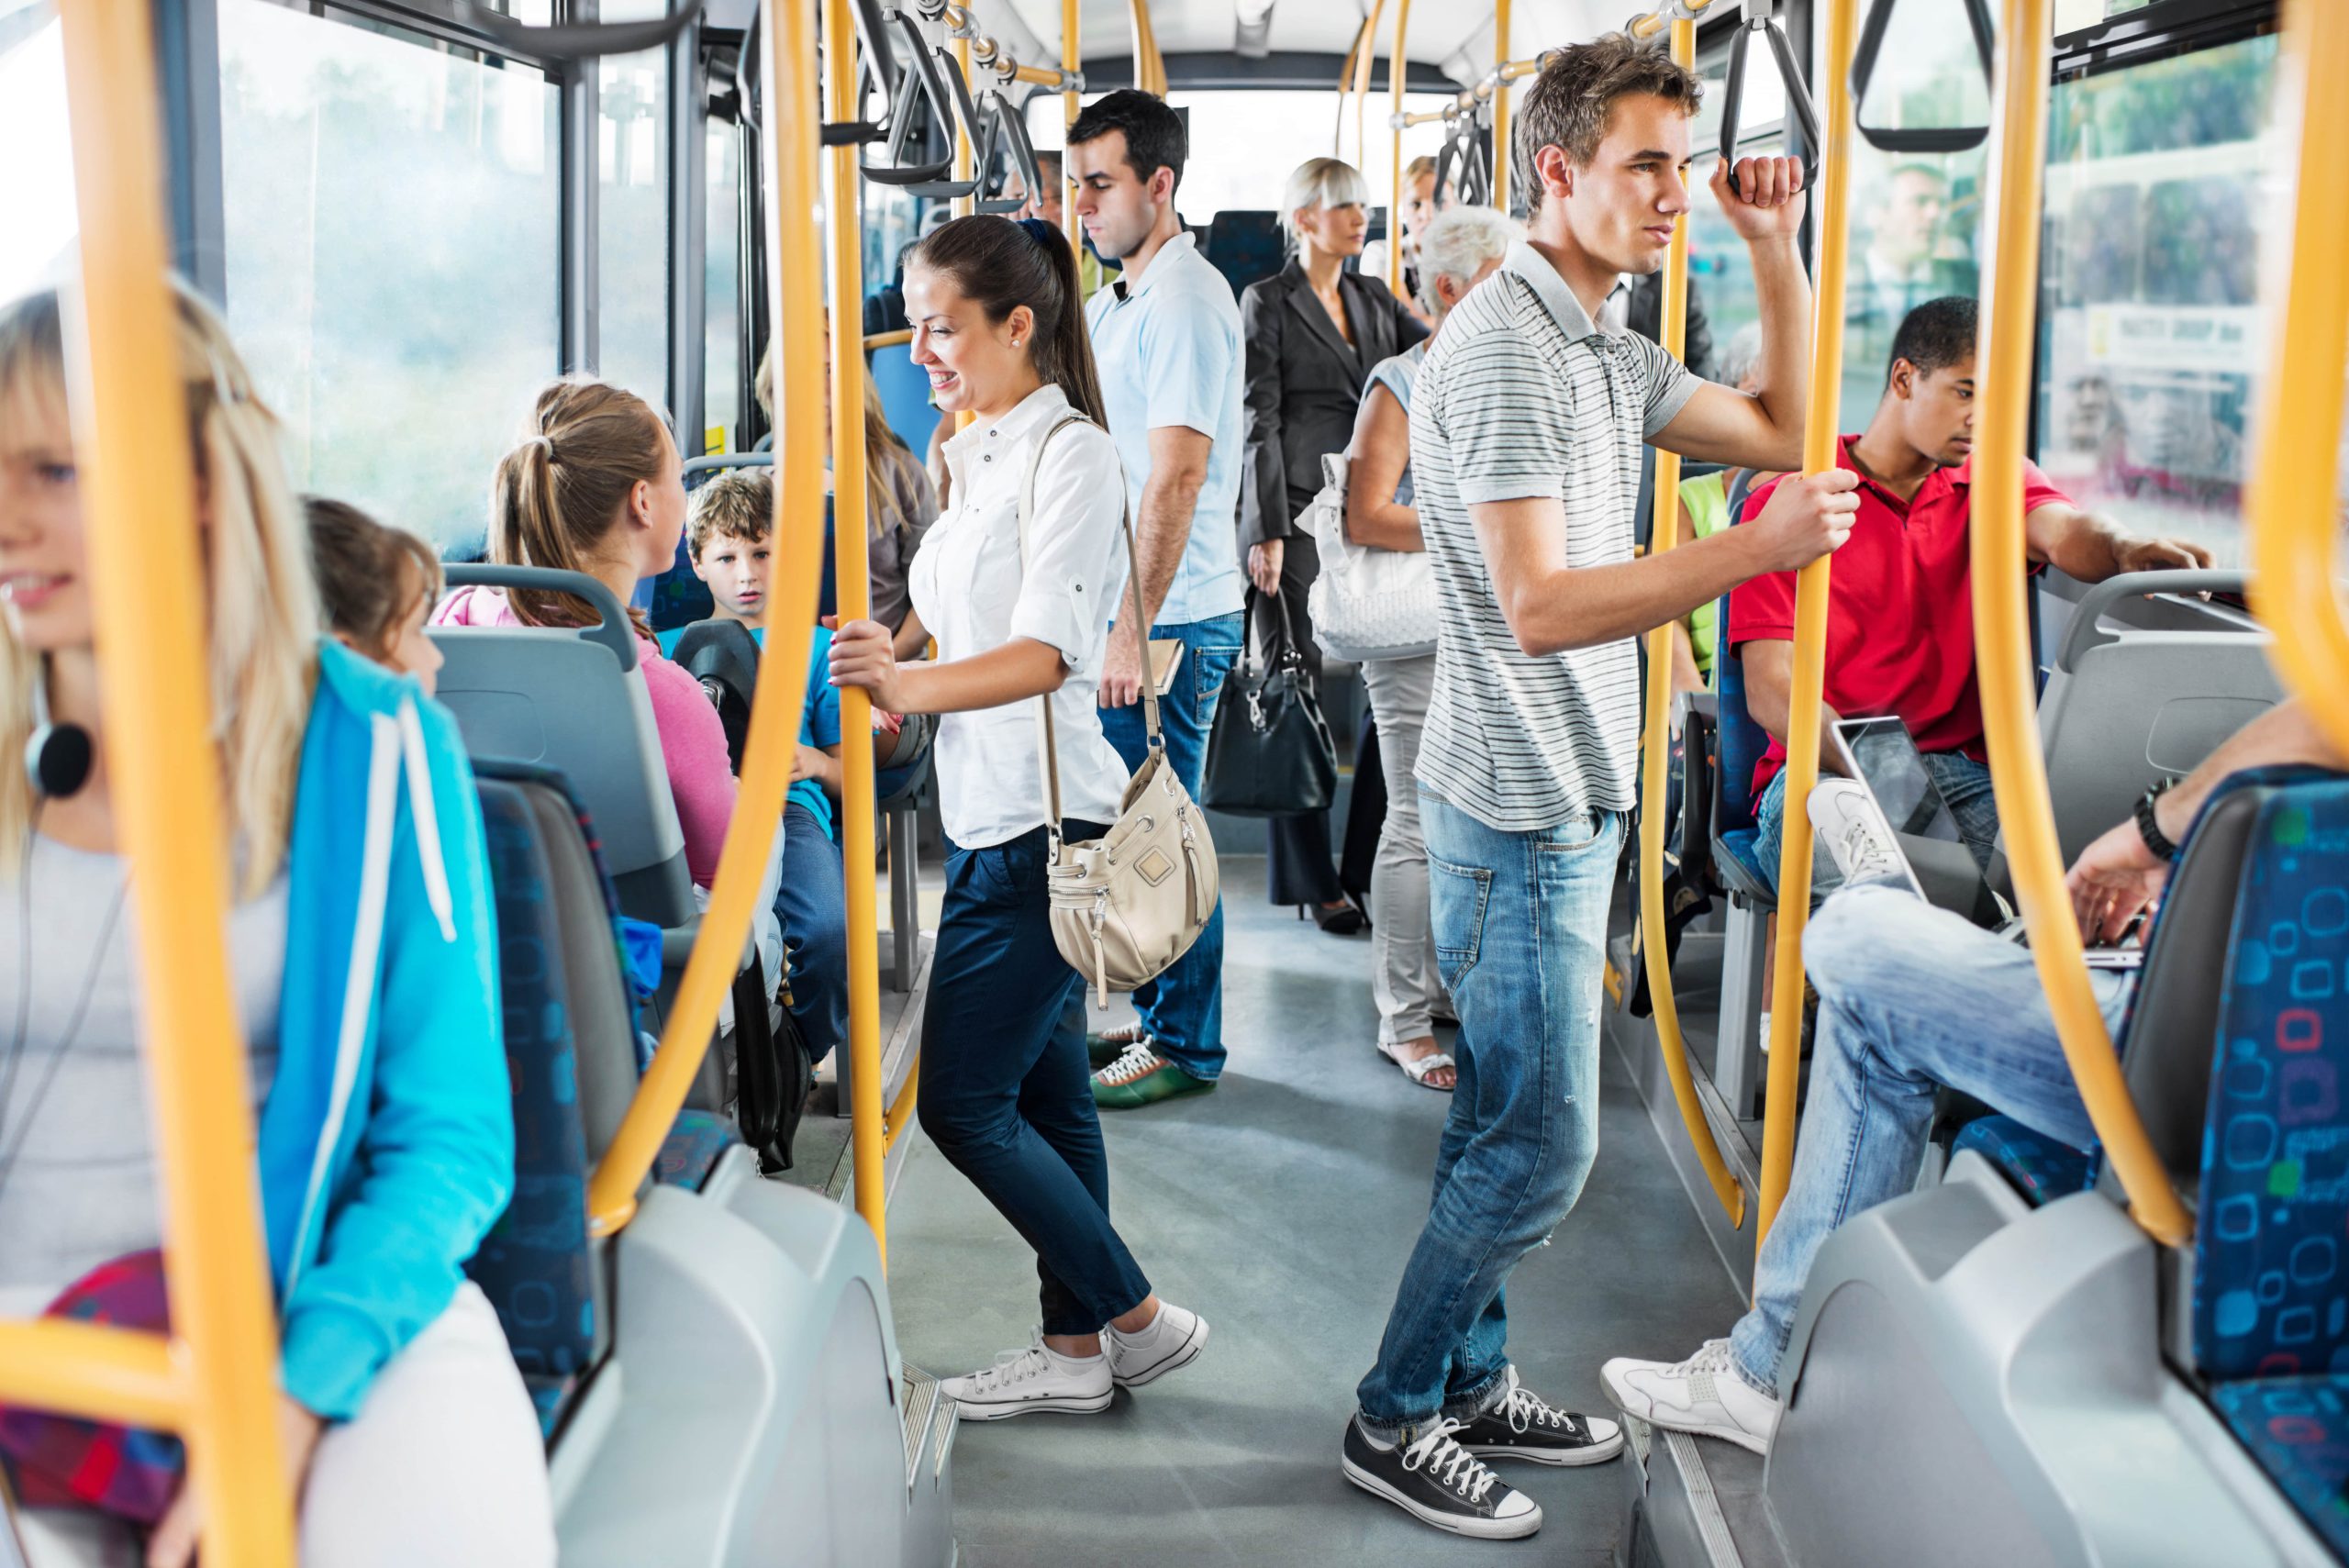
1522, 1425
1437, 1482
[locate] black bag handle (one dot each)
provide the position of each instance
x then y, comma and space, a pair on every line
1934, 138
1760, 18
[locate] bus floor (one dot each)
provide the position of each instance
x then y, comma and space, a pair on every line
1282, 1206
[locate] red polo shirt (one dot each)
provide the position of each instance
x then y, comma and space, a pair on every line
1899, 612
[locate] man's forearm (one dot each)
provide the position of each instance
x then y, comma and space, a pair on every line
1161, 535
1782, 291
1583, 606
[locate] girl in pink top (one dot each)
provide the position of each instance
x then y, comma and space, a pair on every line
600, 489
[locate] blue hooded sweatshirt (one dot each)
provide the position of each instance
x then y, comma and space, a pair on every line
387, 1140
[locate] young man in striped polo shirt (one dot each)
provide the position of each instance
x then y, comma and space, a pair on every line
1525, 443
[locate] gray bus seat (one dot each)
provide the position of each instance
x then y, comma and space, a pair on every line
573, 700
2126, 707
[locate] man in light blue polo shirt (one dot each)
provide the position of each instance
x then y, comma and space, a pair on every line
1166, 336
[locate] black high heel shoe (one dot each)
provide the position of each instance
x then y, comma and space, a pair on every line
1344, 919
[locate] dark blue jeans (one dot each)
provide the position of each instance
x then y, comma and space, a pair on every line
1521, 939
1182, 1008
1964, 784
1007, 1093
811, 906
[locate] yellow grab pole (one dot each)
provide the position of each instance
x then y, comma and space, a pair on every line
889, 339
1072, 61
1657, 746
1821, 453
1398, 72
99, 1374
964, 206
793, 192
2295, 489
853, 592
1368, 58
139, 468
1501, 108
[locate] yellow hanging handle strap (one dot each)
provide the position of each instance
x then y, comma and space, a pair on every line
2295, 487
1821, 453
2001, 621
1655, 753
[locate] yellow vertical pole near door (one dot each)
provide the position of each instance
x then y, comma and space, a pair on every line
139, 470
1500, 103
1821, 453
1398, 73
853, 592
1364, 61
1656, 743
1072, 62
2001, 613
2295, 486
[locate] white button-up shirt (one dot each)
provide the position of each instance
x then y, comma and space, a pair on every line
972, 596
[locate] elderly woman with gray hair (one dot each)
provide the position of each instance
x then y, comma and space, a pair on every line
1457, 251
1313, 331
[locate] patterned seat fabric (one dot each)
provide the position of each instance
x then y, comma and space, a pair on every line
534, 1265
2042, 1167
690, 1152
2271, 1293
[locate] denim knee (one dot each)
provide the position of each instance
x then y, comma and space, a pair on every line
1846, 942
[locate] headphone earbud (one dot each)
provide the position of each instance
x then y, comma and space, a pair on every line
58, 757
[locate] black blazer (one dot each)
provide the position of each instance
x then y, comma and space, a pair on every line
1304, 383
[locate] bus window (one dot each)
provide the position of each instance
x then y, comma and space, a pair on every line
632, 212
721, 397
2149, 303
1717, 263
1244, 142
391, 254
37, 241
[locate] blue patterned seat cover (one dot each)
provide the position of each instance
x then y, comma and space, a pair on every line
2298, 1428
2042, 1167
534, 1264
690, 1152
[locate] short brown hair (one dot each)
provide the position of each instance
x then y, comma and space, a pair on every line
739, 504
371, 575
1573, 100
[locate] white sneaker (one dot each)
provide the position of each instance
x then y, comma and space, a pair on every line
1175, 1339
1702, 1394
1032, 1379
1852, 828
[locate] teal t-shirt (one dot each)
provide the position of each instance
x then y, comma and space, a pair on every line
819, 715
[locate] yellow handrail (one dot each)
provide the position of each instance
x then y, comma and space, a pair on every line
1150, 66
1398, 73
1657, 747
889, 339
853, 592
1500, 105
1655, 21
768, 751
1072, 63
2002, 624
216, 1381
1820, 453
1364, 63
964, 206
2295, 488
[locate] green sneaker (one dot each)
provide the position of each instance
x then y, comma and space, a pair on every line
1142, 1077
1101, 1050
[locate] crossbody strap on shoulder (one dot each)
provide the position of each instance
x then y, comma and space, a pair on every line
1047, 740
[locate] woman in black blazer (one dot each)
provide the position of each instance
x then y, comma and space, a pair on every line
1314, 332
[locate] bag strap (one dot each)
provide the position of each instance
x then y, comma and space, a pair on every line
1047, 740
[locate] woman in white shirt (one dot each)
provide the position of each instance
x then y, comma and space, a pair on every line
1007, 1092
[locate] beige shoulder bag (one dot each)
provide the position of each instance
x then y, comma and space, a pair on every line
1126, 906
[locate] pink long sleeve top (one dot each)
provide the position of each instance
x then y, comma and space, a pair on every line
693, 742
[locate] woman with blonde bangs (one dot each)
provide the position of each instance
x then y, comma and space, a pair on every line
363, 955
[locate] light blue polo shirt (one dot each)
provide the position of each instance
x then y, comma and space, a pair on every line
1169, 353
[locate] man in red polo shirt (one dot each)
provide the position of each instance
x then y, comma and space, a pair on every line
1901, 612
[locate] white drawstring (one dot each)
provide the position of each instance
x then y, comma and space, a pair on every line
427, 821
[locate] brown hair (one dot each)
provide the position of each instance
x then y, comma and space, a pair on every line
1002, 265
739, 504
882, 512
371, 577
1574, 97
560, 494
1418, 168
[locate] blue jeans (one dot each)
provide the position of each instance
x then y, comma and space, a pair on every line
1910, 998
811, 905
1007, 1093
1964, 783
1521, 939
1182, 1008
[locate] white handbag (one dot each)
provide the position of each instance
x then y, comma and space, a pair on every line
1125, 906
1365, 602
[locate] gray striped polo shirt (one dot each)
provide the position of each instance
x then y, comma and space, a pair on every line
1523, 398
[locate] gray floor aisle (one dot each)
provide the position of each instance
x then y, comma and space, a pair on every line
1282, 1206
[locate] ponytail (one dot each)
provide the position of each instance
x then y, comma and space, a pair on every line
560, 494
1002, 265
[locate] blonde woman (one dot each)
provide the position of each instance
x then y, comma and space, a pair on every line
1313, 333
364, 956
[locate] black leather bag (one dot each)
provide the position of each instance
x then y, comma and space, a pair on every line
1270, 753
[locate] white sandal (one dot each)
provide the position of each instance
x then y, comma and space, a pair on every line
1418, 1068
